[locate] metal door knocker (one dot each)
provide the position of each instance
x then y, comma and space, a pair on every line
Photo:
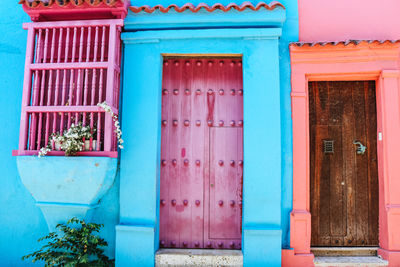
360, 147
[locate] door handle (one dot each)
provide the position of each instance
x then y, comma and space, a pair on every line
360, 147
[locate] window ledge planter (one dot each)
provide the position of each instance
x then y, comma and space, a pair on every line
66, 187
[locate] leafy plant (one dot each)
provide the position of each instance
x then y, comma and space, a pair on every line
72, 141
77, 247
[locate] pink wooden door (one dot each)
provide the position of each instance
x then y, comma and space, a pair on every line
201, 153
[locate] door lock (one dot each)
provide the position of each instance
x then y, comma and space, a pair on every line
360, 147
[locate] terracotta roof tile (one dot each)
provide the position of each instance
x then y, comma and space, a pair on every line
48, 3
345, 43
193, 8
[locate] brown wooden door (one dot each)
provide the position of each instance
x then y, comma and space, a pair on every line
344, 178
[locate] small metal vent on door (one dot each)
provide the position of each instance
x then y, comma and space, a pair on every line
328, 146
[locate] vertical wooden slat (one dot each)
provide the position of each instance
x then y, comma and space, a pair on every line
102, 52
35, 98
108, 124
80, 74
42, 90
86, 83
67, 45
57, 86
371, 126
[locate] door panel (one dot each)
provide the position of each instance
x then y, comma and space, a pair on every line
202, 117
225, 184
344, 183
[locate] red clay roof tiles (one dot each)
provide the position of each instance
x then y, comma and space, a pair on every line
48, 3
193, 8
345, 43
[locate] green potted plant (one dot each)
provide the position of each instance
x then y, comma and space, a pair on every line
74, 245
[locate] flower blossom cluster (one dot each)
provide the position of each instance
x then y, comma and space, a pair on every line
117, 130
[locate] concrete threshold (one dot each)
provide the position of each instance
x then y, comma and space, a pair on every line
350, 261
344, 251
199, 257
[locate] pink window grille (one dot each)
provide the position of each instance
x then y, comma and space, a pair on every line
70, 67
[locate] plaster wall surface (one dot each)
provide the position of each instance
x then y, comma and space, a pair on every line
21, 222
335, 20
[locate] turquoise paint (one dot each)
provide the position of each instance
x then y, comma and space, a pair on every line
66, 187
202, 19
21, 221
290, 34
260, 49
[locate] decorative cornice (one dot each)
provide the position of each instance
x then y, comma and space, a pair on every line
345, 51
217, 6
55, 10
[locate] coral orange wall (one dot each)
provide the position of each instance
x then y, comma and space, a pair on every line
332, 20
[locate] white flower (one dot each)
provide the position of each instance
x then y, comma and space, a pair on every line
117, 130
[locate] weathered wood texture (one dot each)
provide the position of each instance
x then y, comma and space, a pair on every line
201, 153
344, 184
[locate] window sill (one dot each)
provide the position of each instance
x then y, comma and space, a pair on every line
110, 154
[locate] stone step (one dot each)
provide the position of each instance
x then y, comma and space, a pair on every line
344, 251
198, 257
363, 261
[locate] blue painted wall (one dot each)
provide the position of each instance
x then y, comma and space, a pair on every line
21, 222
290, 34
267, 176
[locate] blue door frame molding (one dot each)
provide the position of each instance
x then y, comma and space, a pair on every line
258, 44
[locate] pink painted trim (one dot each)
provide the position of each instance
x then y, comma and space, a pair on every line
365, 61
60, 66
108, 127
38, 109
77, 57
26, 93
289, 259
111, 154
73, 23
393, 257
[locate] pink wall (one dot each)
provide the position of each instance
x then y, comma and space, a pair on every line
333, 20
